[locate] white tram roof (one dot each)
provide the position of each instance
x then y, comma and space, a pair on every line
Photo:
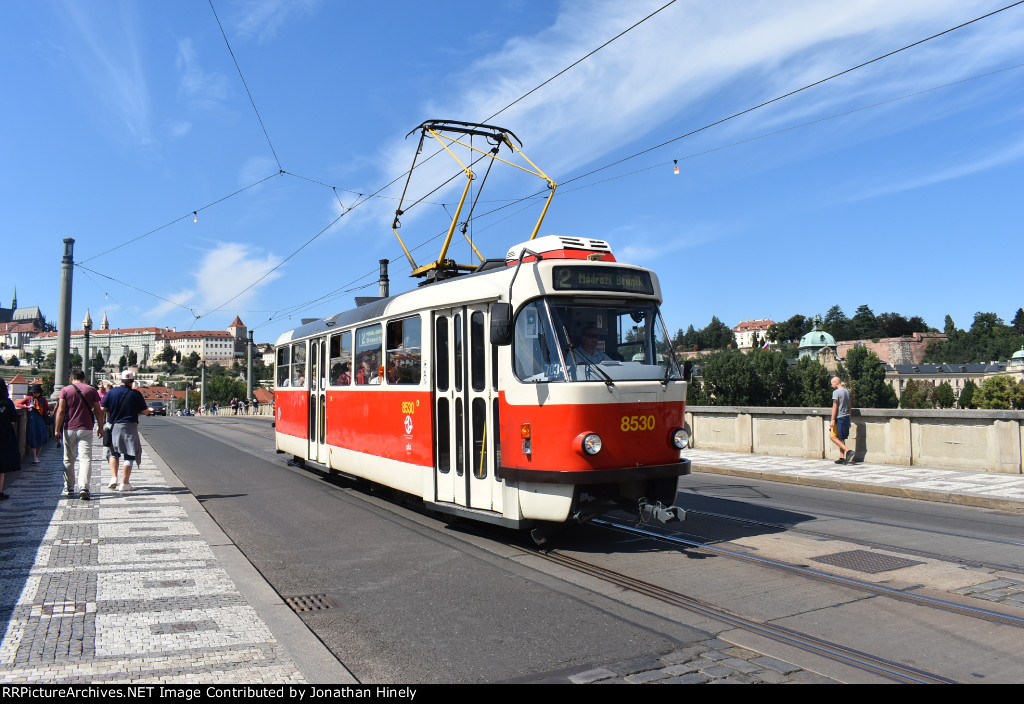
488, 284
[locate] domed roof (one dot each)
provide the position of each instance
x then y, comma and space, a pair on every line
817, 338
1018, 357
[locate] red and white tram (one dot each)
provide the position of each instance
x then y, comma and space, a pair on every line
538, 388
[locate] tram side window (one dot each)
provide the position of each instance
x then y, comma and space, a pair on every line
341, 359
536, 351
283, 368
299, 365
404, 351
368, 355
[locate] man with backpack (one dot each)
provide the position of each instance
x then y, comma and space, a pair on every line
78, 406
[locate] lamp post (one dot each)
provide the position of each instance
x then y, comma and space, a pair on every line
86, 361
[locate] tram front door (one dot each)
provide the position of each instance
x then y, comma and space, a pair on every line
464, 401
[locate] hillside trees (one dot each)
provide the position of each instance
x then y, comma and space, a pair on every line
865, 375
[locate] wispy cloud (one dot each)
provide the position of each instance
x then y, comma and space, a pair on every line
201, 90
956, 166
262, 19
697, 62
112, 63
223, 269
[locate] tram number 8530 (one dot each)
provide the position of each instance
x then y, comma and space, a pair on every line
635, 423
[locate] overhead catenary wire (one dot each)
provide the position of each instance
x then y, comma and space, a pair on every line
610, 165
246, 86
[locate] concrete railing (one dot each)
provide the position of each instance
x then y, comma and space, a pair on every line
976, 440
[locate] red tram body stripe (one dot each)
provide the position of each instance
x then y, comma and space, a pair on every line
633, 434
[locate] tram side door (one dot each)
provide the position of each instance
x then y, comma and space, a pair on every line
463, 410
483, 487
449, 404
317, 434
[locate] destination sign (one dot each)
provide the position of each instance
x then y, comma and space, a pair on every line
602, 278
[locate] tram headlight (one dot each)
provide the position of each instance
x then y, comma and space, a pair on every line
589, 443
681, 437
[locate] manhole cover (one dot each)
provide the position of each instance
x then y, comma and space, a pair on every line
865, 561
311, 602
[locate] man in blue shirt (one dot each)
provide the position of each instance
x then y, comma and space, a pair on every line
123, 407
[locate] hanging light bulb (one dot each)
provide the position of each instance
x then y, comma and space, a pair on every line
676, 162
195, 213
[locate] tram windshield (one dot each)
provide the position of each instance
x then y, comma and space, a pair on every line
600, 340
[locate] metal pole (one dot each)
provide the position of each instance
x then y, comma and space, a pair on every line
249, 373
62, 369
383, 284
86, 361
202, 389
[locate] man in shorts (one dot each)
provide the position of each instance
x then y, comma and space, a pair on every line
840, 426
123, 407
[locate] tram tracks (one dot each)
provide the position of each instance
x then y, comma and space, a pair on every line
910, 597
965, 561
835, 652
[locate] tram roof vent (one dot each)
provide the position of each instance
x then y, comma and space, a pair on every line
559, 247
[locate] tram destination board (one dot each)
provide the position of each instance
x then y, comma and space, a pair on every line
602, 278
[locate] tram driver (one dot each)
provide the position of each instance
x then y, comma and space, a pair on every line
586, 352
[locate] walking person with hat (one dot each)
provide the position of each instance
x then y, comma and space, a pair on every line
123, 407
78, 405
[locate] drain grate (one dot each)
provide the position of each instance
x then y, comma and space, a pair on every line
310, 602
865, 561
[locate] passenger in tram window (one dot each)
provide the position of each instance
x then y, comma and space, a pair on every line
365, 372
344, 374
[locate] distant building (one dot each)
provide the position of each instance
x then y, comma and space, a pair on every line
147, 342
819, 345
956, 375
895, 350
746, 332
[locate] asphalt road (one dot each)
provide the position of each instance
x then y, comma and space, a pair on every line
417, 601
423, 601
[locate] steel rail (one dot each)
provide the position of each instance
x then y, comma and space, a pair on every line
918, 599
869, 543
812, 644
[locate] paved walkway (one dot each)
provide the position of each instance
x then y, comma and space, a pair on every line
144, 587
997, 491
137, 587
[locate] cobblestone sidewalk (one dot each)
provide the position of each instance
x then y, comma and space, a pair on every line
120, 588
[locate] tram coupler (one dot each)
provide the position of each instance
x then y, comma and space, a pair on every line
660, 512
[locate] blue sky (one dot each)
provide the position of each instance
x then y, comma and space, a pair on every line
887, 186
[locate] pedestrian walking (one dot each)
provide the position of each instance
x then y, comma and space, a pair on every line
77, 406
234, 406
10, 457
36, 433
123, 407
839, 428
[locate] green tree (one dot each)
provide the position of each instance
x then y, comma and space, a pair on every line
190, 364
1018, 322
761, 378
837, 324
863, 325
865, 375
99, 362
122, 363
917, 394
813, 388
76, 360
695, 395
967, 395
133, 358
13, 361
1000, 392
944, 396
51, 360
222, 388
